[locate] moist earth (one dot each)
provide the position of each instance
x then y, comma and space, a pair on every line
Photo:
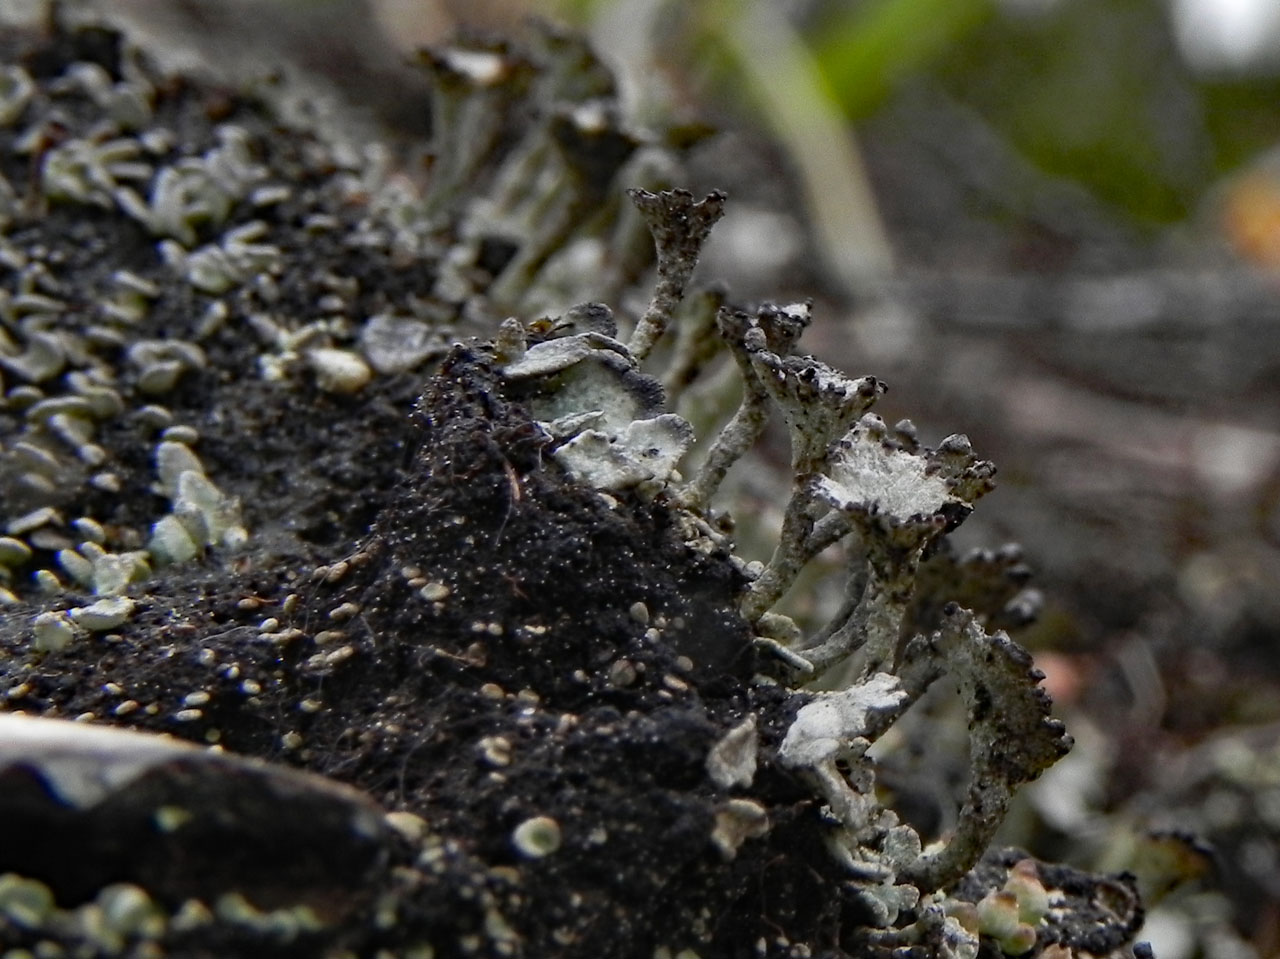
503, 684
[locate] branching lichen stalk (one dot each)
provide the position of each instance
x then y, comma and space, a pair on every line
680, 226
738, 436
781, 327
828, 531
1011, 740
788, 556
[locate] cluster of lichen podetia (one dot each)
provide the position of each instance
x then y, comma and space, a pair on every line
852, 477
855, 479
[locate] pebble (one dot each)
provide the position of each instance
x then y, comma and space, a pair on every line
339, 371
105, 614
536, 837
434, 592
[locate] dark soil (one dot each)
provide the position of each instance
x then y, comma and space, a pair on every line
542, 576
427, 610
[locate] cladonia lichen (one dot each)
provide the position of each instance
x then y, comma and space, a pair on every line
855, 480
323, 279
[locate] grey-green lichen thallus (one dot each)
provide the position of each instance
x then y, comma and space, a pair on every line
853, 478
405, 478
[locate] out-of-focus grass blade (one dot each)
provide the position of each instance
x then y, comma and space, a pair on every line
873, 45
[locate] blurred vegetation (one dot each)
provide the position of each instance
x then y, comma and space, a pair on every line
1096, 91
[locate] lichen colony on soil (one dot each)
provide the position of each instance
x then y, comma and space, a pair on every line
481, 671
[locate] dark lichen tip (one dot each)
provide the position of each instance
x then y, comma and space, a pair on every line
680, 224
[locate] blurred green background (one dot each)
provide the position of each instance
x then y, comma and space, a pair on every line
1148, 103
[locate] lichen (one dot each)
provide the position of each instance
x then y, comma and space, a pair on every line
435, 638
854, 475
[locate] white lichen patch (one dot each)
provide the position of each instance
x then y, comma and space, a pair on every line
603, 383
25, 902
114, 572
645, 450
605, 416
13, 552
52, 632
409, 825
824, 728
103, 615
863, 474
16, 90
495, 750
128, 912
196, 190
339, 371
396, 344
171, 543
738, 820
284, 924
732, 760
480, 67
82, 170
202, 514
552, 356
172, 460
208, 514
